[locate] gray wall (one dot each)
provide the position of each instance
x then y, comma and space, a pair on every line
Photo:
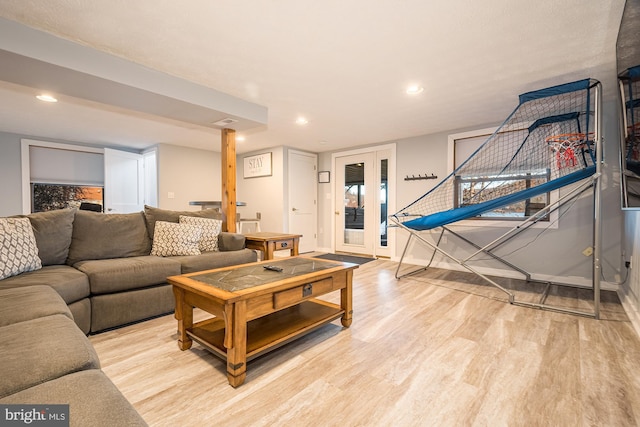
555, 253
190, 174
10, 171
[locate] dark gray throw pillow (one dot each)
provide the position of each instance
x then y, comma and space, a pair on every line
102, 236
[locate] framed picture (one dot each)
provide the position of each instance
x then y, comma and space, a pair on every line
324, 176
258, 165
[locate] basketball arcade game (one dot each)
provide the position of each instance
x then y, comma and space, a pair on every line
551, 141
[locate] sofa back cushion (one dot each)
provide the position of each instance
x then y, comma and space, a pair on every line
156, 214
103, 236
53, 230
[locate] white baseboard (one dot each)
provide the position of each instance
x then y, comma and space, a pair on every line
328, 250
632, 313
577, 281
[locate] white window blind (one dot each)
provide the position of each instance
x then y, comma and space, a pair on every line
60, 166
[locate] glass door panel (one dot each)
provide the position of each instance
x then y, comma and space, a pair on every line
354, 192
383, 197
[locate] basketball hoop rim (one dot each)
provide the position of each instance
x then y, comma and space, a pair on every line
574, 139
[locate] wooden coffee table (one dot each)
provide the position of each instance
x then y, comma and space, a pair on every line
257, 310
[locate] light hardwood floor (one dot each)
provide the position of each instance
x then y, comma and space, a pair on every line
435, 349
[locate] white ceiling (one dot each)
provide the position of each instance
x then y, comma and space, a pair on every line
342, 64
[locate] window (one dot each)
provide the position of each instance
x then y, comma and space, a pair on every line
474, 190
47, 197
470, 190
59, 175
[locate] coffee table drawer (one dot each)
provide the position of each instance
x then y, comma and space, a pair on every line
300, 293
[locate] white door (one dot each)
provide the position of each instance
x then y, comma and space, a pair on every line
123, 181
303, 190
150, 177
355, 203
363, 189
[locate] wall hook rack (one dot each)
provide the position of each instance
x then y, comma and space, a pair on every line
415, 178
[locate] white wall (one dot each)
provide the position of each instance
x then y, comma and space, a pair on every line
264, 194
190, 174
325, 196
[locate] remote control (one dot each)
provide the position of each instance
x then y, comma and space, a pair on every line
273, 268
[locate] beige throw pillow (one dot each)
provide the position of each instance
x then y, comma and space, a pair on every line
172, 238
18, 249
210, 231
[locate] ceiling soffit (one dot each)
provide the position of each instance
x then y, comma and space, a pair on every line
39, 60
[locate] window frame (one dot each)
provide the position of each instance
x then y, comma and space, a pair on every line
25, 144
551, 221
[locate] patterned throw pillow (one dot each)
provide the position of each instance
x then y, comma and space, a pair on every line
171, 239
210, 231
18, 250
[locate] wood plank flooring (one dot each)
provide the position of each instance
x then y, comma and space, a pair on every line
436, 349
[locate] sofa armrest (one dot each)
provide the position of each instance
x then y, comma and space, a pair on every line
230, 241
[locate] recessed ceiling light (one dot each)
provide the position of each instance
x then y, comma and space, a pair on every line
414, 90
240, 138
302, 121
46, 98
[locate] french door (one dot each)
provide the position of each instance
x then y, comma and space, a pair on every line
362, 202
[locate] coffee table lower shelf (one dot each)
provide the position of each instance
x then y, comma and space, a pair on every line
268, 332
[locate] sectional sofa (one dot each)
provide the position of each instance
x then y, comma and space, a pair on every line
101, 264
86, 272
46, 360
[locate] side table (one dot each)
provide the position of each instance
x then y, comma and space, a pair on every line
268, 243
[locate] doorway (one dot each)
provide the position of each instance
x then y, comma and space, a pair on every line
363, 186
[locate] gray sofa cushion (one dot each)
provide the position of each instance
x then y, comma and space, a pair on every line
123, 274
121, 308
71, 284
230, 241
152, 215
81, 311
209, 260
92, 398
39, 350
30, 302
53, 230
103, 236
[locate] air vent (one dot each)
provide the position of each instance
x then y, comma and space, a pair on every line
225, 122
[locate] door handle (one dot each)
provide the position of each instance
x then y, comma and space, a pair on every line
337, 212
294, 209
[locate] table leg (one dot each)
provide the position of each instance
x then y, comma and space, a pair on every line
296, 245
271, 246
237, 354
346, 300
184, 316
